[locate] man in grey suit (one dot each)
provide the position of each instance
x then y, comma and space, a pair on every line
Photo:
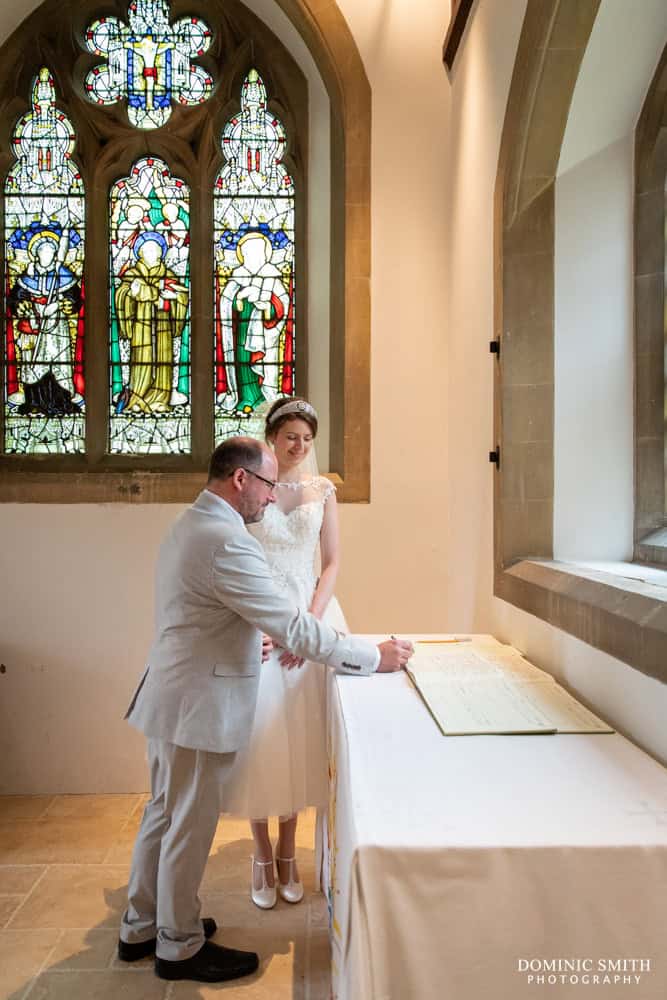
196, 701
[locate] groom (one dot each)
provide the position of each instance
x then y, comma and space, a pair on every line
196, 701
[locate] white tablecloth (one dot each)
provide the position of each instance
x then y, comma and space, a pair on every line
460, 867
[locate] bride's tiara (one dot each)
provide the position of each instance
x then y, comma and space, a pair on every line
293, 406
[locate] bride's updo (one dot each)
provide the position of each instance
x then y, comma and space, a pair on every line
289, 408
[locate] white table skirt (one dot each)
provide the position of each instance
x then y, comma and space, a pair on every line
453, 862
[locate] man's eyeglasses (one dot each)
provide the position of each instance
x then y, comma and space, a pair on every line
269, 482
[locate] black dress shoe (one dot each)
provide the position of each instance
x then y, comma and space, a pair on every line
211, 964
141, 949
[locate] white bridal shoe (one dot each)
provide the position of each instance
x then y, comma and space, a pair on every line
291, 892
265, 897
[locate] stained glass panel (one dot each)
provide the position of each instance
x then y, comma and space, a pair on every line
150, 312
148, 62
254, 337
44, 290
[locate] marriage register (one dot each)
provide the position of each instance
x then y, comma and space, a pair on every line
477, 687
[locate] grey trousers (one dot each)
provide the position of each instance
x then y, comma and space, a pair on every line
172, 847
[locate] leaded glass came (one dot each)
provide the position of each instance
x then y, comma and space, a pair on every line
148, 62
150, 312
44, 290
254, 336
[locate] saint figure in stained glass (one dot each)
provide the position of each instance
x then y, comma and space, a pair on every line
44, 298
44, 291
253, 308
148, 62
150, 312
254, 256
151, 305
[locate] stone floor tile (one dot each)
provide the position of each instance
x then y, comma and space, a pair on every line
92, 806
74, 896
241, 923
319, 911
22, 955
14, 807
319, 966
108, 985
57, 841
19, 879
8, 907
83, 949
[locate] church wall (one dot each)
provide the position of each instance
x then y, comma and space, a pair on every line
634, 703
76, 615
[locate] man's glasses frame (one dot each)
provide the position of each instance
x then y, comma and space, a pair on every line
268, 482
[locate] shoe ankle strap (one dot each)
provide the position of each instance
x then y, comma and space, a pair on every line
284, 859
263, 863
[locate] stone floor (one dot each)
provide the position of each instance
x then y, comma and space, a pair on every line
64, 863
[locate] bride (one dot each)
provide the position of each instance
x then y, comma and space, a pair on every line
283, 769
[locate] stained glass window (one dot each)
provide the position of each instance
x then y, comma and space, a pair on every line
150, 312
148, 62
44, 289
254, 336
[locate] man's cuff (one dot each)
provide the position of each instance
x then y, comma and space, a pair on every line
378, 657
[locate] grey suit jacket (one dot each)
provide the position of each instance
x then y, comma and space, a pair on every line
214, 593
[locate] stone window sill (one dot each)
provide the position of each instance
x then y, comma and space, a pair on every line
620, 608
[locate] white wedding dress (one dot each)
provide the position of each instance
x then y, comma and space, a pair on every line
283, 768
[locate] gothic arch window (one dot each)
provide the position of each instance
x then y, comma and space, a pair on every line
190, 303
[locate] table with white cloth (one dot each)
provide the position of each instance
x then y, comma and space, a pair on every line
467, 867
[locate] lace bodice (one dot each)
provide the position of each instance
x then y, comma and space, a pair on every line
290, 538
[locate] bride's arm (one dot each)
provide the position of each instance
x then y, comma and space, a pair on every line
329, 558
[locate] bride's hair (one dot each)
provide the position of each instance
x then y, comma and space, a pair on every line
271, 427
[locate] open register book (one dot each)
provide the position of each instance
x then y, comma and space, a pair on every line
489, 688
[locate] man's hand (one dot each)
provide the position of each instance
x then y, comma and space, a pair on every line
267, 646
394, 654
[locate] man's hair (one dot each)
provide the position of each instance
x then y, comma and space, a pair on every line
235, 453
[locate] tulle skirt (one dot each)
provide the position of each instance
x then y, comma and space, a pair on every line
283, 768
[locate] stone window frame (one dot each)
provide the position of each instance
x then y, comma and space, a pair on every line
650, 527
626, 619
99, 478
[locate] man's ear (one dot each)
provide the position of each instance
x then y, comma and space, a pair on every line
238, 478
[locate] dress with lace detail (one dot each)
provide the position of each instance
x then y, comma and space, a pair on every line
283, 768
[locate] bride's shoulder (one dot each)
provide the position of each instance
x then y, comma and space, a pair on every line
322, 487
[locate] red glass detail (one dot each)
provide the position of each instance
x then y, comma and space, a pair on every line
220, 373
78, 376
12, 372
257, 160
287, 380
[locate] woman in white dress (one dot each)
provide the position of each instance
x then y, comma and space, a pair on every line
284, 767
